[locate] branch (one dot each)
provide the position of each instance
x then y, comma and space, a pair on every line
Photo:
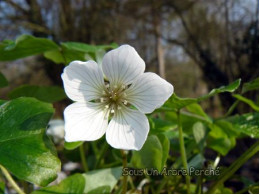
16, 6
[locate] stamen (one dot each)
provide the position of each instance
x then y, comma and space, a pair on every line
112, 111
106, 106
125, 102
103, 92
101, 100
107, 86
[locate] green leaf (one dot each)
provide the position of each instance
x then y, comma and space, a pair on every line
177, 103
2, 102
55, 55
102, 179
81, 47
86, 48
222, 137
44, 93
23, 46
153, 153
196, 162
252, 85
247, 101
246, 123
25, 149
166, 148
229, 88
72, 145
199, 133
197, 109
158, 125
3, 81
70, 54
254, 189
74, 184
98, 181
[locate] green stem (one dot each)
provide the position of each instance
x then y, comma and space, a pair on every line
101, 155
162, 184
235, 166
11, 180
82, 156
183, 152
124, 158
231, 109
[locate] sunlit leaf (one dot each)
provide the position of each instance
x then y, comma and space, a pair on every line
56, 56
246, 123
229, 88
197, 109
72, 145
23, 46
25, 149
44, 93
247, 101
176, 102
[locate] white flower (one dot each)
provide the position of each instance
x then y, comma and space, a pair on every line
125, 97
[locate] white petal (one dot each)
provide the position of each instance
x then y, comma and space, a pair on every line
122, 65
85, 122
148, 92
128, 129
83, 81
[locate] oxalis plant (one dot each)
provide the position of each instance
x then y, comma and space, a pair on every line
125, 130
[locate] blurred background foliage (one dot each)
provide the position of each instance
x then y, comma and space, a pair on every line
196, 45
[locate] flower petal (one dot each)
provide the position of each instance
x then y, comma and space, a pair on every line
85, 122
122, 65
148, 92
128, 129
83, 81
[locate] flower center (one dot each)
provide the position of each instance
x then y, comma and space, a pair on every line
113, 97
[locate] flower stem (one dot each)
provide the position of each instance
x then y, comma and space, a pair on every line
11, 180
101, 154
124, 158
183, 152
235, 166
82, 156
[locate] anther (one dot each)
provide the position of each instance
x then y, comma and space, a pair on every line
107, 85
125, 102
103, 92
107, 106
112, 111
101, 99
